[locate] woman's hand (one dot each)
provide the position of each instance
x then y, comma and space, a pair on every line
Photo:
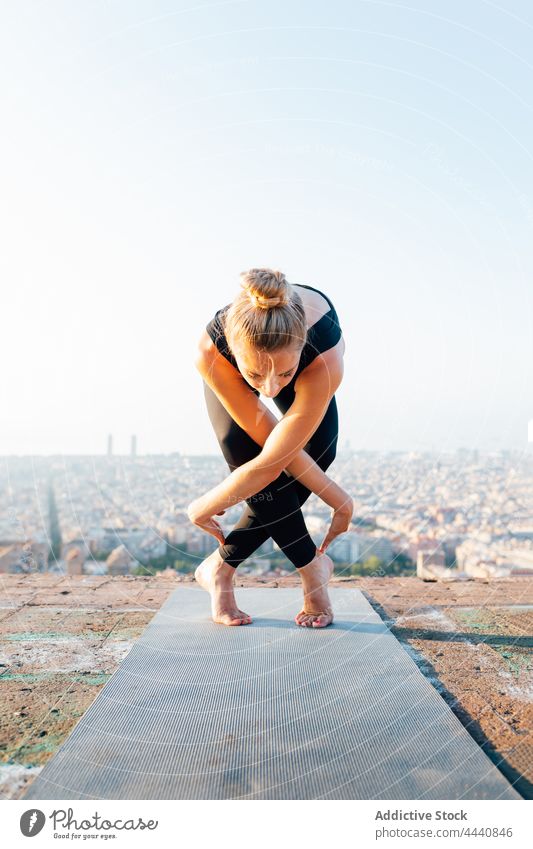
340, 521
207, 523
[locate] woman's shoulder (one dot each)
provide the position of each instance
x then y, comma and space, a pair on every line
326, 331
216, 331
215, 327
316, 303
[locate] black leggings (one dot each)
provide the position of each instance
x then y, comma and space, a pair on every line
274, 511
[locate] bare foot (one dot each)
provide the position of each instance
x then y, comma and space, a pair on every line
216, 577
317, 611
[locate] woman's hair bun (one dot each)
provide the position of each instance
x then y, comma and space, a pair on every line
266, 287
267, 314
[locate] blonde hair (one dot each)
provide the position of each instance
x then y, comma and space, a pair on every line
268, 314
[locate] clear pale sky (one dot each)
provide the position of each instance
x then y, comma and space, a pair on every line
379, 151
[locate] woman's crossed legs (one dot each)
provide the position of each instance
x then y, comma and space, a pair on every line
274, 511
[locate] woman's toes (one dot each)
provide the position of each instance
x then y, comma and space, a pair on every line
305, 620
239, 617
233, 618
313, 620
301, 617
322, 620
237, 620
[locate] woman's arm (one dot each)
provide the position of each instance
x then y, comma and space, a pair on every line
246, 408
282, 447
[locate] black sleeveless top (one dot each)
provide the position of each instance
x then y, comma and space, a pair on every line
321, 336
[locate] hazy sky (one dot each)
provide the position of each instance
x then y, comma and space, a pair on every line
379, 151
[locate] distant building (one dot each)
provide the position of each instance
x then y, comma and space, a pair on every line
176, 534
24, 557
345, 549
120, 561
435, 557
9, 557
497, 559
256, 566
110, 445
428, 558
201, 544
133, 451
76, 542
352, 547
485, 569
266, 548
421, 543
144, 543
75, 561
370, 546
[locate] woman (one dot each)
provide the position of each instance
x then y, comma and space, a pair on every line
284, 341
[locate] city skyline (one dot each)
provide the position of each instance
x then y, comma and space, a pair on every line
464, 511
343, 447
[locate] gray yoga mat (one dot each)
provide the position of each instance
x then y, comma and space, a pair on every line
269, 710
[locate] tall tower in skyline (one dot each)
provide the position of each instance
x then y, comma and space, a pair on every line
133, 451
110, 445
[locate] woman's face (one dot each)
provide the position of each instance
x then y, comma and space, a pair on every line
268, 372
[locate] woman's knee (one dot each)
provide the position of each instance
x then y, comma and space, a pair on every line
323, 443
237, 447
324, 452
329, 453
